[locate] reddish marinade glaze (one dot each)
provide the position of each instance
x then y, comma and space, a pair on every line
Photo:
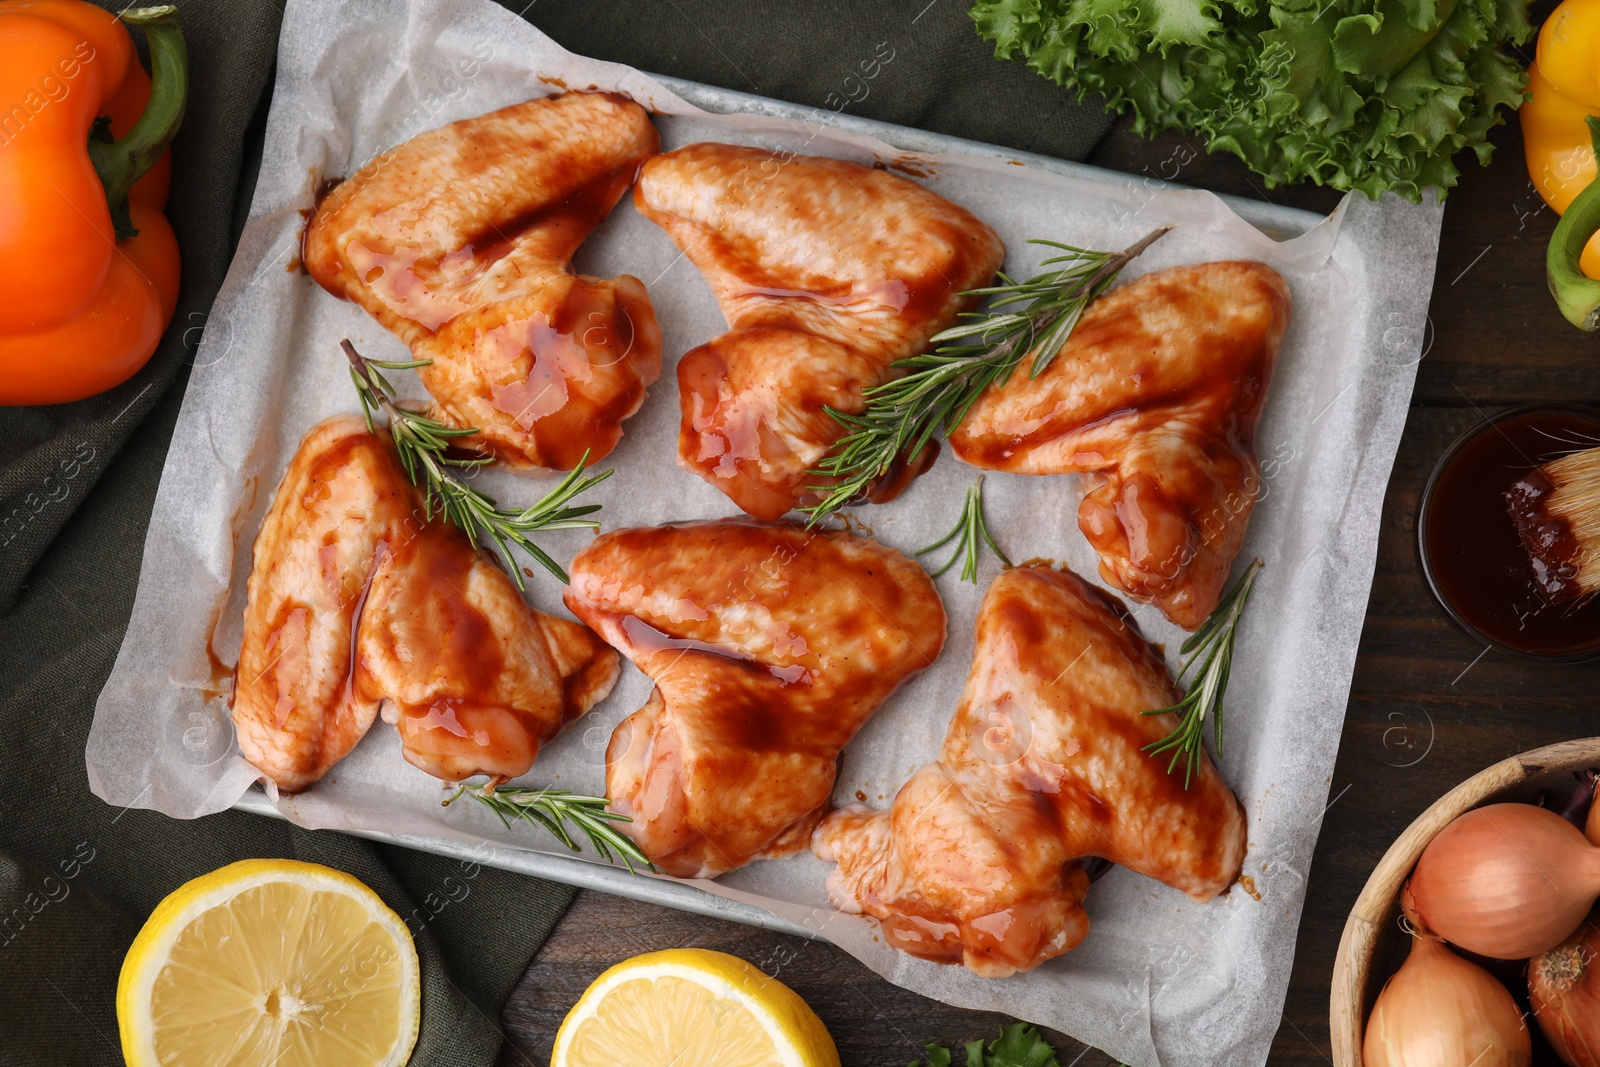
1155, 400
1477, 564
459, 241
1553, 550
357, 600
828, 272
769, 646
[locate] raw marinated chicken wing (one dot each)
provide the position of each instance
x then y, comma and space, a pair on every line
828, 272
294, 711
769, 647
1155, 399
475, 681
458, 241
979, 859
357, 601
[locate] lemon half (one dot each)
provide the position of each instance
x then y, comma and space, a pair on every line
270, 962
691, 1006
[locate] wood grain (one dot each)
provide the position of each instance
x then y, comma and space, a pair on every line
1426, 709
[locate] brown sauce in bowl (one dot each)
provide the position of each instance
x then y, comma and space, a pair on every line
1472, 557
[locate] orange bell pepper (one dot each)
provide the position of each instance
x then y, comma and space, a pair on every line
1564, 89
88, 261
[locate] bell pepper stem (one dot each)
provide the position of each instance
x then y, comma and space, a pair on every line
1577, 295
122, 162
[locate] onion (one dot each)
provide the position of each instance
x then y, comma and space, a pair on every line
1591, 827
1440, 1010
1507, 880
1564, 985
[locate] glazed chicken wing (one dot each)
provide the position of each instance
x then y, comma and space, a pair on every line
458, 241
769, 647
1155, 399
828, 272
339, 501
978, 860
357, 601
475, 681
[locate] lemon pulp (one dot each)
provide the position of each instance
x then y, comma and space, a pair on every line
280, 963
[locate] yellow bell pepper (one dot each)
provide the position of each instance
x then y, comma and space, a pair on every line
1564, 89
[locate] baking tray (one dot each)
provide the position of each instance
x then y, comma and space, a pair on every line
1277, 222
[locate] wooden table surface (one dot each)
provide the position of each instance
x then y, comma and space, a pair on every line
1427, 707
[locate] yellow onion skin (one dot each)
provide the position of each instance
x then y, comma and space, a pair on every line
1440, 1010
1564, 986
1507, 881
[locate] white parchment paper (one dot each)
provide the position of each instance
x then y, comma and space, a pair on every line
1160, 979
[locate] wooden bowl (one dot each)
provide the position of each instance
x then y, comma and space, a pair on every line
1373, 943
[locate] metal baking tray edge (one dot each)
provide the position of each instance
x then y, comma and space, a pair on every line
1275, 221
585, 874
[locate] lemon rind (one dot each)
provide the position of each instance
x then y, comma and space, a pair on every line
789, 1021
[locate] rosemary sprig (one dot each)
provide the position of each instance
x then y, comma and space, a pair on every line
423, 444
902, 416
970, 534
553, 809
1211, 647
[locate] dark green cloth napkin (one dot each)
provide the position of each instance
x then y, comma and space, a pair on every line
910, 62
77, 481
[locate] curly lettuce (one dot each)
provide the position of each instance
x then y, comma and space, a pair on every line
1372, 95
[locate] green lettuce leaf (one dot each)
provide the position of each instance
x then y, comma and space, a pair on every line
1374, 95
1019, 1045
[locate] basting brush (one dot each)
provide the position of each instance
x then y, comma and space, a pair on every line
1556, 509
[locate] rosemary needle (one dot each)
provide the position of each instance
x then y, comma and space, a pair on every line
970, 534
904, 415
553, 809
423, 442
1211, 647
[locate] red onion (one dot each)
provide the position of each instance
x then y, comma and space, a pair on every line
1507, 880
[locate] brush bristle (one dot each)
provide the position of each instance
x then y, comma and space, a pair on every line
1557, 512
